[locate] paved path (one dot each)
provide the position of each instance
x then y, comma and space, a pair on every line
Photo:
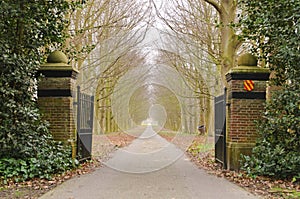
150, 168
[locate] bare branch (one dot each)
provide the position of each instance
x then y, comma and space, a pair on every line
215, 5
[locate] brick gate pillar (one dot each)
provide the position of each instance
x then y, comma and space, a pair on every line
244, 107
55, 91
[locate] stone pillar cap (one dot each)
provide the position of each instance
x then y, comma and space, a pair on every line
247, 69
57, 57
247, 63
57, 60
247, 59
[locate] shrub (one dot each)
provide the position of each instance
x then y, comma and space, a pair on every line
277, 152
28, 28
55, 158
272, 26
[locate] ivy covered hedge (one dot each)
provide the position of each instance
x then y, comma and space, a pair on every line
273, 27
277, 152
28, 28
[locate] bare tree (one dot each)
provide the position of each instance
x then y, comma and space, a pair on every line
208, 25
101, 20
200, 43
106, 88
103, 45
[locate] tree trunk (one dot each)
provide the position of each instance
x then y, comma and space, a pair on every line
229, 41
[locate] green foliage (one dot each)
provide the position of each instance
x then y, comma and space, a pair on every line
274, 27
277, 151
51, 159
28, 28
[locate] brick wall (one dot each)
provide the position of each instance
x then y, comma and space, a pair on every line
243, 108
55, 96
242, 114
57, 83
58, 111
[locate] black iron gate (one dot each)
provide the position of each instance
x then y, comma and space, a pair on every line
85, 115
220, 129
